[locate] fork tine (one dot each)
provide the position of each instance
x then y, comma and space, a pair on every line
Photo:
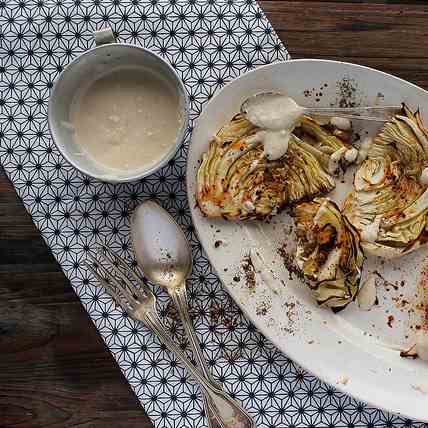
121, 261
109, 281
125, 287
108, 254
142, 292
123, 304
126, 283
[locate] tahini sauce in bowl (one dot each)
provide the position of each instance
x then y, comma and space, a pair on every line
126, 119
118, 112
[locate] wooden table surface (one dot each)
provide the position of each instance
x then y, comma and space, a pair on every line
55, 371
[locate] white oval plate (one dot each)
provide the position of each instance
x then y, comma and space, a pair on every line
354, 350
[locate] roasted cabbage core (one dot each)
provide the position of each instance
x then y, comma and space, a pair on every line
328, 252
389, 202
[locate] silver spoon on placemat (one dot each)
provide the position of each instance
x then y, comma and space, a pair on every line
164, 255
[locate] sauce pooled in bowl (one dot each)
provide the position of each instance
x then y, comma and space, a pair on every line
127, 119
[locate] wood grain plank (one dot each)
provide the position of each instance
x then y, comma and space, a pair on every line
55, 370
389, 37
350, 30
364, 2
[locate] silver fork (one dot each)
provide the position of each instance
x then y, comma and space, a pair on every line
114, 275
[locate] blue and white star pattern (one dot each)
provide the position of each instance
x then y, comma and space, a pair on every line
209, 43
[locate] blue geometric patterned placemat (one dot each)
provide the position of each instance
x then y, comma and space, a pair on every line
209, 43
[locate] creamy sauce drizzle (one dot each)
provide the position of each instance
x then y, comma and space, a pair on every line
351, 155
322, 211
277, 115
371, 231
341, 122
260, 265
343, 154
423, 179
421, 346
334, 161
366, 145
275, 143
127, 119
367, 295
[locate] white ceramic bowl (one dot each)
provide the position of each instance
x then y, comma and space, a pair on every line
98, 61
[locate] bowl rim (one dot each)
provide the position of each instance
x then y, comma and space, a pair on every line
185, 113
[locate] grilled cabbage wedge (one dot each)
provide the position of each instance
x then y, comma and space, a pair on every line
403, 139
328, 253
236, 182
389, 204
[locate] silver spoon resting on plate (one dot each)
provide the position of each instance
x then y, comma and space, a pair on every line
277, 115
283, 106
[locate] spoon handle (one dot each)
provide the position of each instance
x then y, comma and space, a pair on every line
229, 414
377, 114
179, 297
243, 420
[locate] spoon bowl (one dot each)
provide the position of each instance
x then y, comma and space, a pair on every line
261, 97
160, 246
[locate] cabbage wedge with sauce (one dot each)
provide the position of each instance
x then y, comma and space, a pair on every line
235, 181
389, 201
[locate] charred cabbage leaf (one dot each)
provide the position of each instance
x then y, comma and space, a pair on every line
328, 253
236, 182
389, 204
403, 139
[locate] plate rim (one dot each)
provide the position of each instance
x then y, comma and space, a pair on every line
358, 395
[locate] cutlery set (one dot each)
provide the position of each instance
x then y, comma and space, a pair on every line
164, 256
